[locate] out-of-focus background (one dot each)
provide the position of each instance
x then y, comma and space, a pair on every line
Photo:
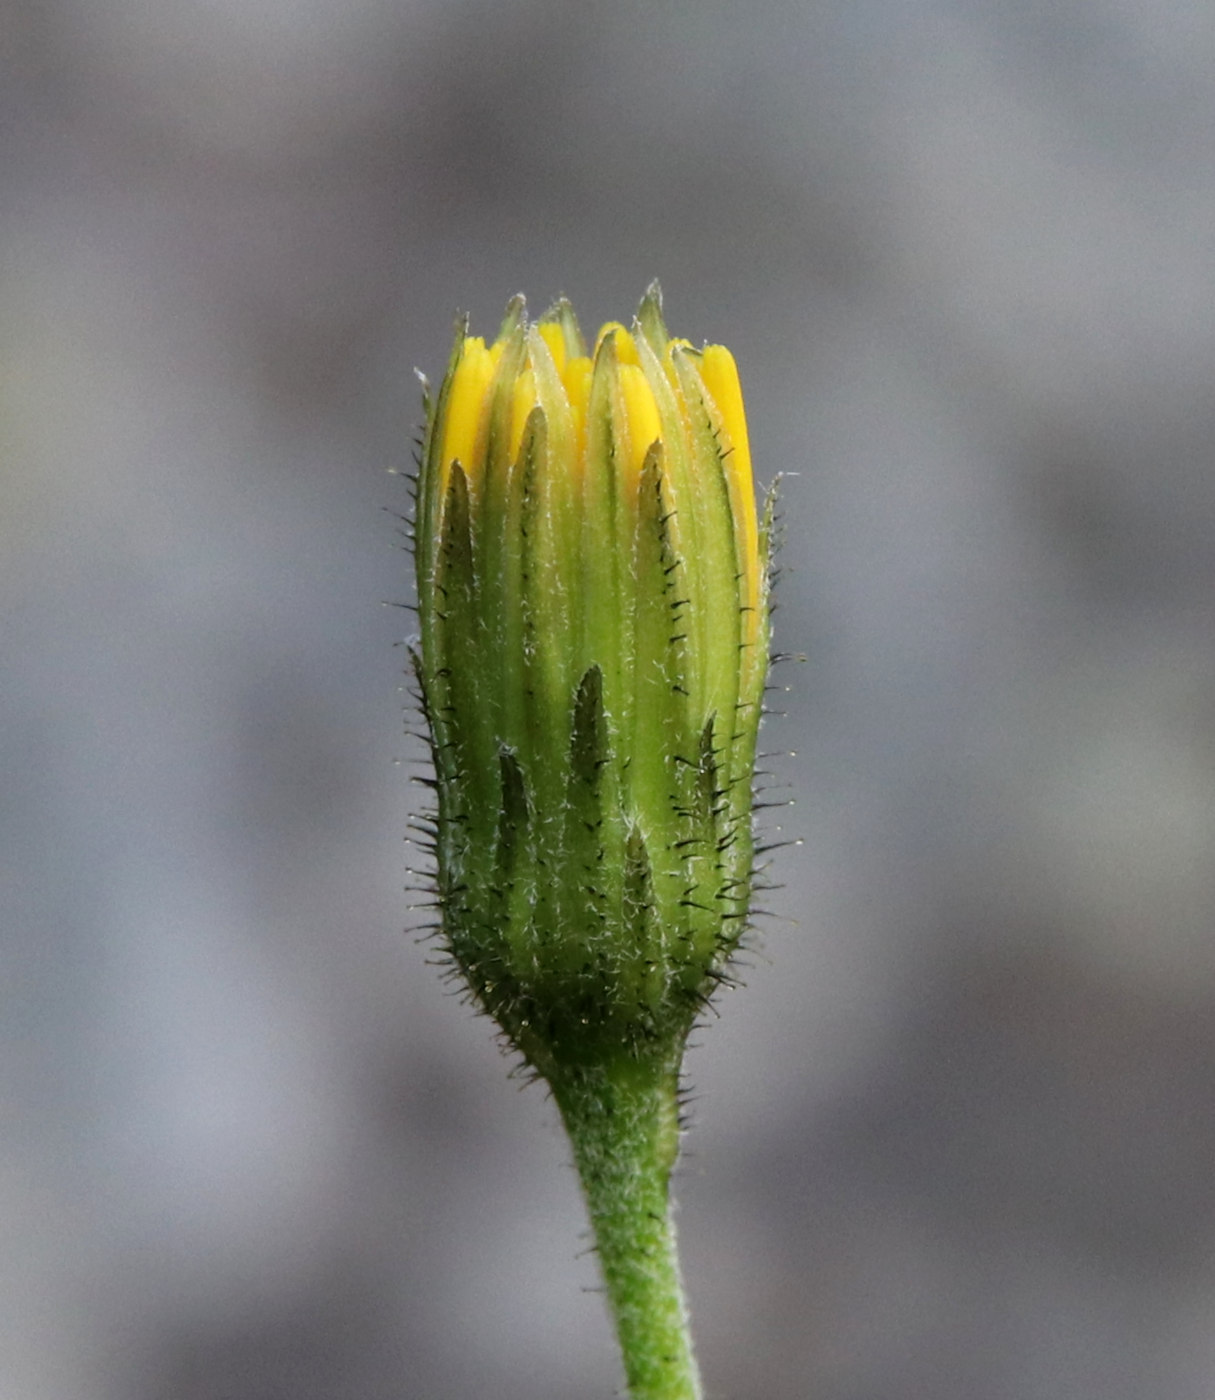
956, 1137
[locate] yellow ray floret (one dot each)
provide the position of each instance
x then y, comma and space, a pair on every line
523, 400
720, 376
626, 349
554, 338
467, 406
577, 380
638, 416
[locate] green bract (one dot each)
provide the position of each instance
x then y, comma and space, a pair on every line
592, 587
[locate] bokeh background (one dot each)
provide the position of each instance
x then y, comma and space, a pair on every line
956, 1137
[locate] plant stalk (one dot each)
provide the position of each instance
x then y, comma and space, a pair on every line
623, 1122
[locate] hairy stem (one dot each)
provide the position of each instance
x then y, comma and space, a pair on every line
623, 1122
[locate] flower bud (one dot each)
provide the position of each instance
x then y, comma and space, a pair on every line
593, 596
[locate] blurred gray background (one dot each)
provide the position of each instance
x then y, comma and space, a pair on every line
956, 1138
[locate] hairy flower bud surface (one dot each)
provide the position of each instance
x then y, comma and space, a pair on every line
592, 585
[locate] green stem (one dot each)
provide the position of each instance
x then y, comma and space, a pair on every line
623, 1123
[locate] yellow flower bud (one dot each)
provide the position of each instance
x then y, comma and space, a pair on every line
592, 588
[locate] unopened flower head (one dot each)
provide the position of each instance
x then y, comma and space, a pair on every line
592, 588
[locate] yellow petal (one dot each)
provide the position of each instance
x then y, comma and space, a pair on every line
523, 401
554, 338
626, 350
467, 404
577, 380
643, 426
720, 375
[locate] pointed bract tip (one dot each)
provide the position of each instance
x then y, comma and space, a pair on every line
649, 318
606, 348
515, 315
